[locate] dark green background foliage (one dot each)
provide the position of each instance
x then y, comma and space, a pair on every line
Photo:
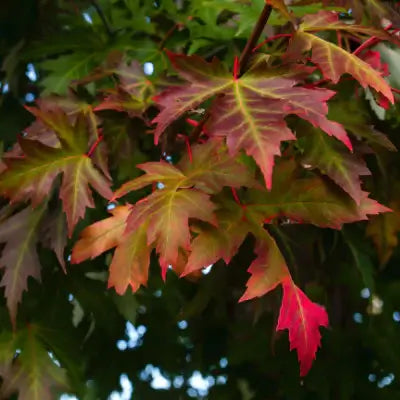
80, 321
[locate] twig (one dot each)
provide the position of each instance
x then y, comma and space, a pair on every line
253, 39
168, 35
103, 18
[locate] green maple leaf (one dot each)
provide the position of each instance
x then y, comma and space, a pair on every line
308, 199
66, 68
249, 111
334, 160
32, 176
31, 372
356, 119
221, 242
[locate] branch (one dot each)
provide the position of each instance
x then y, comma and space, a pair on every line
253, 39
244, 58
103, 18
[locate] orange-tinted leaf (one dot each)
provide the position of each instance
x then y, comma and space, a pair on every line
167, 214
130, 264
302, 318
101, 236
268, 270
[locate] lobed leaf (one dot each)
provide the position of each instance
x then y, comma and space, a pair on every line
302, 318
32, 373
335, 61
335, 161
249, 111
309, 199
167, 214
32, 176
269, 268
19, 257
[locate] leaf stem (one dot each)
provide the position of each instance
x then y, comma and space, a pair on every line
239, 67
168, 35
253, 39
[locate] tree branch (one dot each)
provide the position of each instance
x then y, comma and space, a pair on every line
253, 39
103, 18
243, 60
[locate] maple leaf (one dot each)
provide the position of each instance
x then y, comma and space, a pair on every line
297, 313
282, 8
131, 258
32, 176
54, 231
19, 257
221, 242
27, 368
209, 169
161, 219
332, 159
167, 214
356, 120
309, 199
332, 59
130, 263
326, 20
248, 111
302, 318
101, 236
269, 268
133, 93
168, 210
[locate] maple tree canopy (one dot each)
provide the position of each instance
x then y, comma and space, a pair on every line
196, 193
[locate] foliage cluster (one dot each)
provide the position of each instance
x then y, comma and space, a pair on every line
146, 141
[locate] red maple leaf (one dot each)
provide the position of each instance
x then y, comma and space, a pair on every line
302, 318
